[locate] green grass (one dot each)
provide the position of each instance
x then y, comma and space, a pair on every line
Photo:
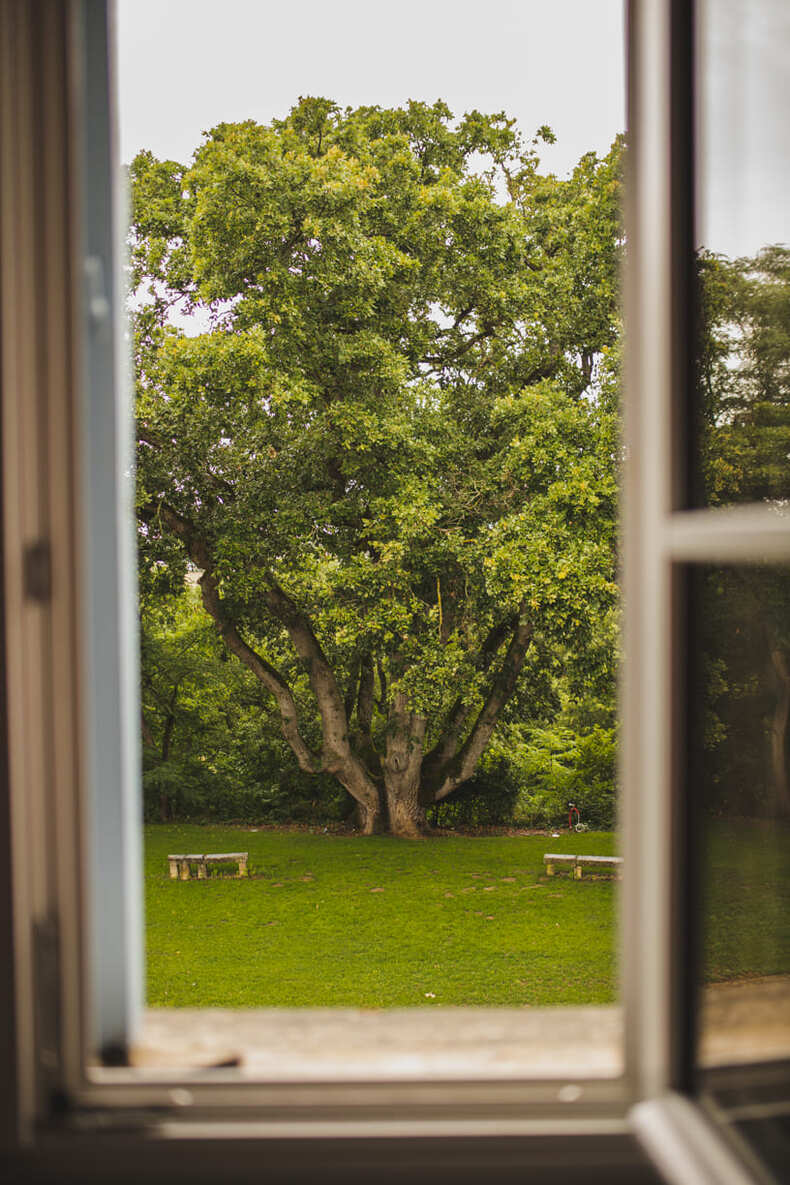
327, 920
746, 899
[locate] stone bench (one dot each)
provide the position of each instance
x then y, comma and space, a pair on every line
553, 859
180, 864
576, 864
599, 862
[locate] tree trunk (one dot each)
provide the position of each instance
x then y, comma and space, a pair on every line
404, 809
371, 820
402, 765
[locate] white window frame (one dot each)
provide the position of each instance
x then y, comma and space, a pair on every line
70, 853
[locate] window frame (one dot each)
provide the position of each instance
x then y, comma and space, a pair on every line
56, 129
664, 539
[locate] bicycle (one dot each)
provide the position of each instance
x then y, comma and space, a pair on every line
578, 826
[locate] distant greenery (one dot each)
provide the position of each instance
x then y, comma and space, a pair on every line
333, 921
390, 454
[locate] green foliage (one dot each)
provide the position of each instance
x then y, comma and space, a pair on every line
744, 438
744, 691
555, 765
744, 352
487, 799
212, 747
402, 410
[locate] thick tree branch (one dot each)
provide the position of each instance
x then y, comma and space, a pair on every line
447, 745
470, 342
263, 671
266, 674
146, 435
402, 764
337, 756
148, 736
382, 702
462, 766
351, 687
364, 720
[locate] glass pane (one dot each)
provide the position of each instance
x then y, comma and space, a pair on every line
375, 302
743, 221
742, 788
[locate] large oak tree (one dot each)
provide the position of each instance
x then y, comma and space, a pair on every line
390, 451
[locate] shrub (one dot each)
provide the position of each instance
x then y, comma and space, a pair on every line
557, 766
189, 789
485, 800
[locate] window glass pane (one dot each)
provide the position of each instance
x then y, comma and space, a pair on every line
741, 784
743, 237
375, 301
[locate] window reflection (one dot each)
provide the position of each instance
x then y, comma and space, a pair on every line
744, 376
742, 790
743, 222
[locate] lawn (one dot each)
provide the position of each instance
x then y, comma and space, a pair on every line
327, 920
746, 899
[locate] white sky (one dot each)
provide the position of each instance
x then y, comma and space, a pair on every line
186, 65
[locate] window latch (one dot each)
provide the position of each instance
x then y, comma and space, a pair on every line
37, 571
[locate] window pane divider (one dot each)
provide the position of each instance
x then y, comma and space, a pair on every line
752, 533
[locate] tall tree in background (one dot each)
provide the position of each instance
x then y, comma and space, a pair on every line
744, 372
391, 450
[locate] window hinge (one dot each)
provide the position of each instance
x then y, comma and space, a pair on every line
98, 303
37, 571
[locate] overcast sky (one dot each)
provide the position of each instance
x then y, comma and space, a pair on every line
744, 132
186, 65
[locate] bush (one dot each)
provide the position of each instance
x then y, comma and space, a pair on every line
528, 777
485, 800
194, 790
557, 766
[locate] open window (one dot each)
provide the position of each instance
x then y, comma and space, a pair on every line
70, 708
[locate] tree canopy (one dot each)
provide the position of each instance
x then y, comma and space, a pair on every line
390, 452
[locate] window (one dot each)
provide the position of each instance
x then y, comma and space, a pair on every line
68, 706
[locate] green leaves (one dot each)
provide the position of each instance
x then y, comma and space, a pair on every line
400, 406
743, 354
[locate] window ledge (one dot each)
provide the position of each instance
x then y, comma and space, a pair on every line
397, 1044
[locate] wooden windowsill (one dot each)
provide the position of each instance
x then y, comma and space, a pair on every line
433, 1042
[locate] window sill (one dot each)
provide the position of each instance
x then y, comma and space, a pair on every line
335, 1045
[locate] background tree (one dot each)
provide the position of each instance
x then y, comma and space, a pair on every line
388, 453
744, 373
